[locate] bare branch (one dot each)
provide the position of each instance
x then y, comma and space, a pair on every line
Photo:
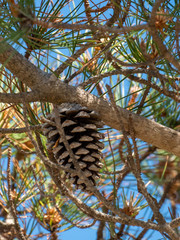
153, 31
12, 205
19, 130
17, 97
96, 214
73, 223
102, 29
96, 78
71, 59
115, 16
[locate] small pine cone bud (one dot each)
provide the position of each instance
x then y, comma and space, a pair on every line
80, 127
52, 218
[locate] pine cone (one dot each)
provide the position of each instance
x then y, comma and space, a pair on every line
80, 127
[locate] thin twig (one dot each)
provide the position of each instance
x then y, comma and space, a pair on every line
126, 11
101, 224
96, 214
98, 77
16, 146
144, 156
70, 60
102, 29
123, 170
20, 130
122, 63
116, 13
38, 150
73, 223
141, 186
153, 31
12, 206
88, 12
103, 50
130, 158
164, 91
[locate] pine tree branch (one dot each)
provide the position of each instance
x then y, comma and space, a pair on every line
153, 31
20, 130
100, 28
17, 97
57, 92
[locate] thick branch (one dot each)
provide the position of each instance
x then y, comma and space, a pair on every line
57, 92
17, 97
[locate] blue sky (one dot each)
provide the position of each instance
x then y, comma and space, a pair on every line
76, 233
